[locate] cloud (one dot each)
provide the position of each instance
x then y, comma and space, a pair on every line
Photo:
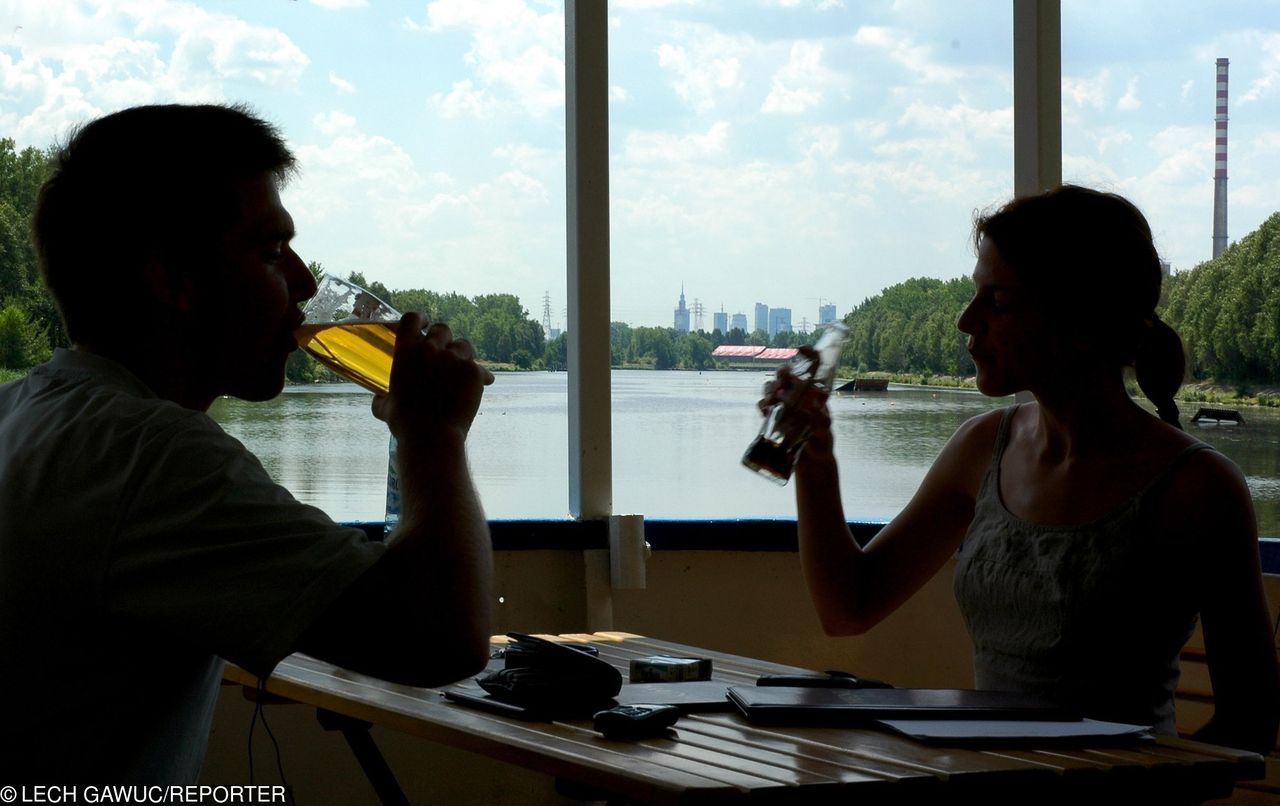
664, 147
1268, 80
463, 101
72, 61
1108, 137
341, 84
1130, 102
938, 135
641, 5
332, 124
702, 66
902, 49
798, 85
1081, 93
516, 57
363, 202
819, 5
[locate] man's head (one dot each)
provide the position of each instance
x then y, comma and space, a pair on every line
143, 184
142, 232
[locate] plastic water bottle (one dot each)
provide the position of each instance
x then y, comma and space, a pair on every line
392, 517
773, 452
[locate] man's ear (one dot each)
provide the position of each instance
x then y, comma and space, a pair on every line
170, 287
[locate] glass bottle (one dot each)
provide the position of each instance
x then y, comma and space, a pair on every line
392, 516
773, 452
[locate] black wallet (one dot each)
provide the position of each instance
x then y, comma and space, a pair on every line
553, 679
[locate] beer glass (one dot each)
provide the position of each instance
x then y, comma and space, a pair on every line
351, 332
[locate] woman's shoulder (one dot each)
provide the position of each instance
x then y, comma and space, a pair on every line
982, 430
971, 449
1201, 488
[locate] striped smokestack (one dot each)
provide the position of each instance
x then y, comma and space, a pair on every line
1220, 163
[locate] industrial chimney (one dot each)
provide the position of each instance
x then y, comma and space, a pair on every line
1220, 163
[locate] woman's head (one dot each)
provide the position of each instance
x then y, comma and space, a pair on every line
1087, 260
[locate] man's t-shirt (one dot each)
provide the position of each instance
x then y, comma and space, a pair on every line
139, 546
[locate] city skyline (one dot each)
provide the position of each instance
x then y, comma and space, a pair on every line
686, 319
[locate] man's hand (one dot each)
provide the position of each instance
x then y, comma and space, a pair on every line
434, 379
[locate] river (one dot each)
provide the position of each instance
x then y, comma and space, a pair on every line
678, 438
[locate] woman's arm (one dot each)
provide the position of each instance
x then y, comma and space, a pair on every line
1239, 642
853, 587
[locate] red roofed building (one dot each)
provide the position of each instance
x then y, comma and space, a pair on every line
752, 356
777, 353
737, 351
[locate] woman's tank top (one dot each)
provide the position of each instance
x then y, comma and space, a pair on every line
1095, 613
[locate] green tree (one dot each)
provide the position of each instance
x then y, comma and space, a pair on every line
522, 358
911, 327
23, 341
373, 287
695, 351
556, 354
619, 343
1227, 310
21, 175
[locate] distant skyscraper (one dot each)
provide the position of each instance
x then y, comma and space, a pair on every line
826, 313
720, 321
762, 317
779, 321
739, 322
682, 314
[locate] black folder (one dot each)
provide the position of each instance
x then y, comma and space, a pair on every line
779, 705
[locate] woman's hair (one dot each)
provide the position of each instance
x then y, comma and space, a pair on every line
143, 182
1090, 258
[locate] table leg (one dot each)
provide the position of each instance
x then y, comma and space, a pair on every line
356, 732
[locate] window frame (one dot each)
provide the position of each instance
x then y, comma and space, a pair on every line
1037, 159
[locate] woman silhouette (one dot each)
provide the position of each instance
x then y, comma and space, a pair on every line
1089, 535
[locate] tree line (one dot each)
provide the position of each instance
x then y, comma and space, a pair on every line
1227, 311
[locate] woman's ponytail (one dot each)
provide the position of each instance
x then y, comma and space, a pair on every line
1160, 366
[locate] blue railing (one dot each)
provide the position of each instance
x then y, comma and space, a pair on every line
755, 534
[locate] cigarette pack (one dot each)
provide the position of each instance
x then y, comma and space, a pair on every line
669, 669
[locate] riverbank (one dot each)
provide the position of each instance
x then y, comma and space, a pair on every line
1191, 392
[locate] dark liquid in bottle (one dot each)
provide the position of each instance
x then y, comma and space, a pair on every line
771, 459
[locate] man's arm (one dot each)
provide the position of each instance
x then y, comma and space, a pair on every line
421, 614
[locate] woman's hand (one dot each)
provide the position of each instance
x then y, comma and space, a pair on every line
806, 411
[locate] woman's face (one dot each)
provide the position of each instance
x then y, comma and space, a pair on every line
1014, 344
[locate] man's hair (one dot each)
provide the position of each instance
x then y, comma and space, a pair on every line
142, 183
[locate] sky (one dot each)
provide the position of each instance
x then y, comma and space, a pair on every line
789, 152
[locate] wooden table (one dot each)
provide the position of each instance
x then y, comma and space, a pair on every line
720, 757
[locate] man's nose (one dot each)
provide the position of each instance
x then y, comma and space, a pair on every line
302, 283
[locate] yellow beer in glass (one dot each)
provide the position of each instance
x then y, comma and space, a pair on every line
351, 332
